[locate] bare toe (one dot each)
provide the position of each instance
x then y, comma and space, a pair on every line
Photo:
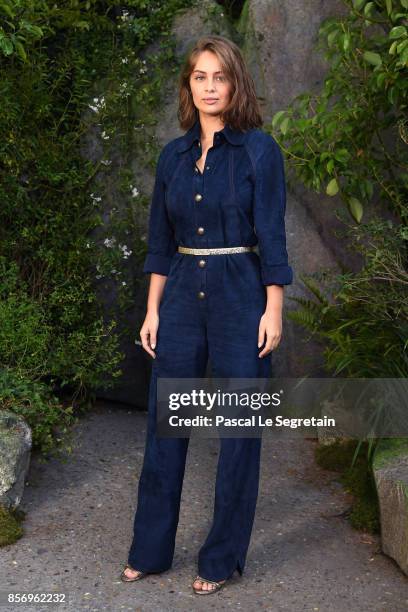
129, 573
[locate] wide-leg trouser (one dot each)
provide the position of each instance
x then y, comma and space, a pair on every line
191, 330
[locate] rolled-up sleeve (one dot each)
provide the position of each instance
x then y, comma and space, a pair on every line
161, 244
269, 215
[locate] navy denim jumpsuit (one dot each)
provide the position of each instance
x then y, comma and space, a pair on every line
210, 309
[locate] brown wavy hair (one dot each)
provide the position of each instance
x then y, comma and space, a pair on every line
243, 111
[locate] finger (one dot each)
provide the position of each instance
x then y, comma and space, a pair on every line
271, 343
261, 334
145, 343
266, 349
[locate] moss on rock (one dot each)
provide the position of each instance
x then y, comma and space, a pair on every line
10, 525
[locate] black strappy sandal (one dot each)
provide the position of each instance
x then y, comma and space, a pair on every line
125, 578
218, 586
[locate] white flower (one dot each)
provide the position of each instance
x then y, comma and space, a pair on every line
104, 135
109, 242
99, 103
106, 162
95, 198
125, 250
135, 191
123, 283
125, 60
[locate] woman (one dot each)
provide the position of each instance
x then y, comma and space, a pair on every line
219, 191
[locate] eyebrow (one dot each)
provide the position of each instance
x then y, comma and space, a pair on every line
204, 72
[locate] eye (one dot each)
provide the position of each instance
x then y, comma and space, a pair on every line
198, 77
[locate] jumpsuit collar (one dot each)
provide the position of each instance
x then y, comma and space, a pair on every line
235, 137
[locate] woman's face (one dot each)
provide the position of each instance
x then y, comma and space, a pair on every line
209, 85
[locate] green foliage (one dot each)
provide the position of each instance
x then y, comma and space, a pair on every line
71, 72
356, 474
11, 528
50, 421
350, 139
363, 322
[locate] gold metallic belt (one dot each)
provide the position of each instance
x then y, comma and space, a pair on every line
219, 251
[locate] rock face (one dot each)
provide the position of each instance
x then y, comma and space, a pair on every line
15, 447
391, 477
277, 40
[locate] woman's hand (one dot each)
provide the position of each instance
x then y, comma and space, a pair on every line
148, 332
270, 326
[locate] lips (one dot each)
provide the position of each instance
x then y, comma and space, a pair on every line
210, 99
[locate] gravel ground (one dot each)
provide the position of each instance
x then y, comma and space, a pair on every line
303, 553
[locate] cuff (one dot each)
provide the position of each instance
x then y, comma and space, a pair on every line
277, 275
159, 264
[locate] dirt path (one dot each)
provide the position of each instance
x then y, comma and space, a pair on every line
302, 556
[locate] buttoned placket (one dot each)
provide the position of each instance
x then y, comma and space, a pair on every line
200, 206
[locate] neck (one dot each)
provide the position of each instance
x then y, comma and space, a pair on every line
209, 125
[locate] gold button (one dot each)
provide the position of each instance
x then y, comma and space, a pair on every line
196, 169
200, 230
201, 295
202, 263
198, 197
207, 167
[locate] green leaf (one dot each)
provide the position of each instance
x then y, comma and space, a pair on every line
372, 58
401, 46
82, 25
368, 189
388, 4
391, 95
284, 125
404, 58
332, 187
380, 79
397, 32
393, 47
356, 209
6, 8
358, 4
368, 8
342, 155
404, 3
331, 37
20, 50
278, 117
6, 45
